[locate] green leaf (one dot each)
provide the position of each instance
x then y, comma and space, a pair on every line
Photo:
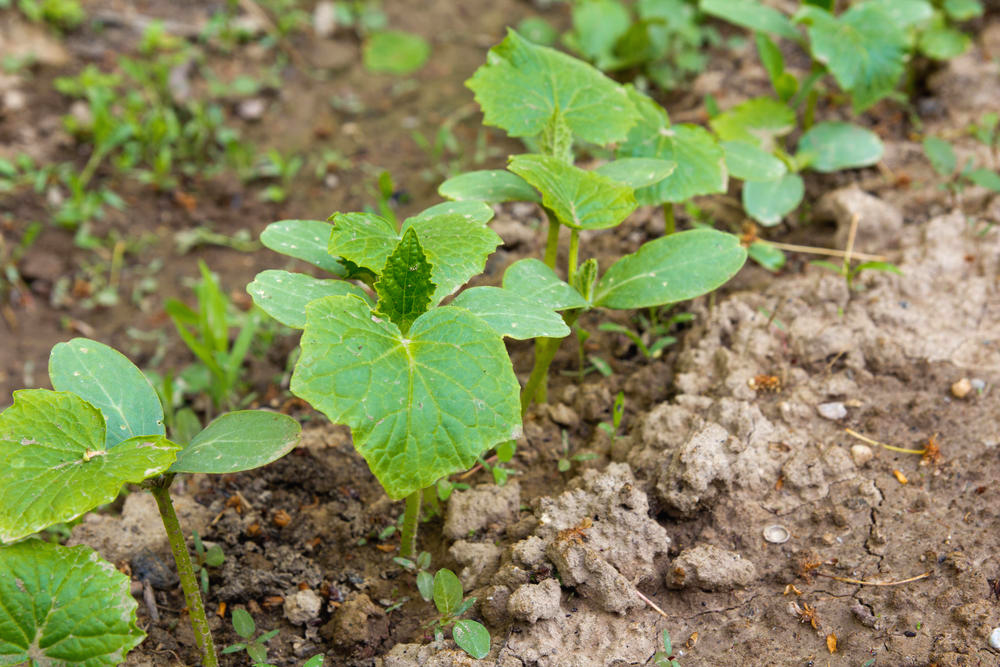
533, 279
597, 27
699, 159
963, 10
396, 52
472, 637
64, 605
835, 145
887, 267
490, 185
425, 585
784, 84
456, 246
751, 163
766, 255
637, 172
768, 202
303, 239
580, 199
670, 269
473, 211
315, 661
523, 85
57, 465
757, 121
404, 287
512, 314
753, 15
105, 378
943, 43
585, 279
238, 441
905, 13
941, 154
986, 178
284, 295
864, 50
243, 623
538, 30
447, 592
419, 407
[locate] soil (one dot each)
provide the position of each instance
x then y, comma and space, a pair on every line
746, 495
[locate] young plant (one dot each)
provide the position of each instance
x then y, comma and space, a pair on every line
652, 336
617, 412
850, 272
204, 559
943, 159
470, 635
422, 565
665, 658
70, 450
256, 647
566, 460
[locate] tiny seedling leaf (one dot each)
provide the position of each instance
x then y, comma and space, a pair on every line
283, 295
472, 638
512, 314
757, 121
56, 466
749, 162
942, 156
985, 178
425, 584
396, 52
447, 592
238, 441
768, 202
105, 378
303, 239
637, 172
753, 15
491, 185
63, 605
404, 287
766, 255
315, 661
833, 146
670, 269
533, 279
943, 42
243, 623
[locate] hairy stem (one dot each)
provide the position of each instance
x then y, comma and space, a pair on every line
574, 253
669, 224
189, 582
411, 517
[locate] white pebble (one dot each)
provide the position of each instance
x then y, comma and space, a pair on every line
861, 454
995, 639
832, 411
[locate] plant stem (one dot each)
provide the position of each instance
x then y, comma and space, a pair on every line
189, 583
669, 223
536, 387
411, 517
574, 253
552, 242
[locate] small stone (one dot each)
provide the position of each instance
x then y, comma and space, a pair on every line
832, 411
564, 415
962, 388
711, 568
325, 19
534, 602
14, 100
995, 639
251, 109
303, 606
861, 454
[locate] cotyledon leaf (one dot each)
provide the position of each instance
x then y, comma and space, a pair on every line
534, 279
475, 211
64, 605
749, 162
488, 185
56, 465
768, 202
283, 295
237, 441
637, 172
419, 406
511, 313
835, 145
751, 14
305, 240
105, 378
757, 121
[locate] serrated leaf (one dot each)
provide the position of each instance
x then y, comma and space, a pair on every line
455, 246
511, 314
699, 158
533, 279
472, 637
748, 162
489, 185
237, 441
670, 269
753, 15
404, 286
419, 407
863, 49
941, 155
770, 201
448, 592
943, 42
473, 211
835, 145
56, 464
637, 172
64, 605
396, 52
580, 199
284, 295
522, 85
105, 378
303, 239
757, 121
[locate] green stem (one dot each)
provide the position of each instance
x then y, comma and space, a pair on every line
669, 223
574, 253
411, 516
189, 582
535, 389
552, 242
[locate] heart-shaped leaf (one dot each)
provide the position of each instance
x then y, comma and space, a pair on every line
512, 314
534, 279
64, 606
580, 199
105, 378
303, 239
237, 441
637, 172
670, 269
489, 185
751, 163
757, 121
419, 406
835, 145
753, 15
284, 295
769, 201
523, 85
56, 464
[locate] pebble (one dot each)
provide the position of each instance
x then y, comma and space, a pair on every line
251, 109
861, 454
776, 534
302, 607
832, 411
962, 388
14, 100
325, 19
995, 639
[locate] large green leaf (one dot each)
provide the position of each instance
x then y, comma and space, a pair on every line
836, 145
862, 47
284, 295
699, 158
512, 314
670, 269
768, 202
533, 279
522, 86
456, 247
749, 162
404, 287
105, 378
56, 465
237, 441
751, 14
303, 239
488, 185
581, 199
64, 605
419, 407
473, 211
637, 172
757, 121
